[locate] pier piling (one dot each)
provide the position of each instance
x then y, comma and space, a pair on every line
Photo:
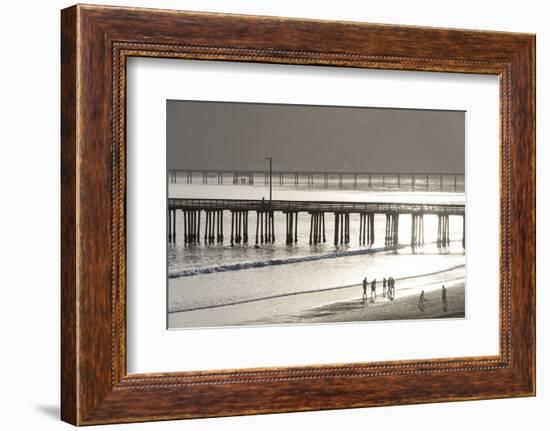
296, 227
191, 226
198, 225
291, 227
317, 228
272, 226
170, 225
366, 228
220, 225
341, 228
311, 230
265, 227
392, 229
323, 221
238, 224
260, 222
232, 227
443, 238
239, 227
336, 227
417, 230
370, 229
185, 227
206, 228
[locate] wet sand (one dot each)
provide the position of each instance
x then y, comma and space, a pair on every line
405, 308
338, 305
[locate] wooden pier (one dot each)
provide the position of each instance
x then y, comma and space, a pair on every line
327, 179
239, 209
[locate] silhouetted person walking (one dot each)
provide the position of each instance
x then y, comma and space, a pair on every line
421, 301
444, 298
384, 282
373, 289
365, 288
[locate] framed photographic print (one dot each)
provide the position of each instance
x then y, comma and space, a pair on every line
268, 215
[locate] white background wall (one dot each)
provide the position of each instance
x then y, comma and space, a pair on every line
29, 214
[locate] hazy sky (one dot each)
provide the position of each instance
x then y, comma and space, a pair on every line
240, 135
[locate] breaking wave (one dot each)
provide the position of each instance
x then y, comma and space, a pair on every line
274, 262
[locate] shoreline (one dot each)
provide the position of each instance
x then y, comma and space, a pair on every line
337, 304
405, 308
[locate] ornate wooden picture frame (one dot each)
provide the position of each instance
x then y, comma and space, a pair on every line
96, 41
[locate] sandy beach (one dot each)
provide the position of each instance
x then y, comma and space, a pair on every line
343, 304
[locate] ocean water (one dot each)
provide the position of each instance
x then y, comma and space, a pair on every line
202, 276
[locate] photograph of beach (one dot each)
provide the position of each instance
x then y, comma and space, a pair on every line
284, 214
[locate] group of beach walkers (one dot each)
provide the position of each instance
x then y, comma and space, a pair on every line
388, 289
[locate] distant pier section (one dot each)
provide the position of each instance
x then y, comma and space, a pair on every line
450, 182
208, 215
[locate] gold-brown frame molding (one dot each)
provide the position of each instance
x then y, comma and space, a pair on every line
96, 41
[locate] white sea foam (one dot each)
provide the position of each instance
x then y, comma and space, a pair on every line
273, 262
